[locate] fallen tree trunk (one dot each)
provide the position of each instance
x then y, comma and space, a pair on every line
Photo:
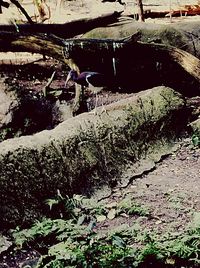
182, 34
186, 10
65, 30
82, 51
125, 60
88, 152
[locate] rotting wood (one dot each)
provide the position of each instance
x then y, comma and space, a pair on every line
187, 10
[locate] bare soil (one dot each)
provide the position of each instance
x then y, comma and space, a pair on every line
171, 191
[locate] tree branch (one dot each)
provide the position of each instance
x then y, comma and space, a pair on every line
130, 57
18, 5
65, 30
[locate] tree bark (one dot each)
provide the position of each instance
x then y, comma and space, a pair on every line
20, 7
140, 10
130, 57
66, 30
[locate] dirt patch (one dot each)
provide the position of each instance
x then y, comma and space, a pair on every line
170, 192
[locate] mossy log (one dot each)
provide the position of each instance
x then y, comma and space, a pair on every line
88, 152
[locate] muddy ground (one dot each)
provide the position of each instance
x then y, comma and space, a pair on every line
171, 191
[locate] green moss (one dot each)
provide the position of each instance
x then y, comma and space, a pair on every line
86, 152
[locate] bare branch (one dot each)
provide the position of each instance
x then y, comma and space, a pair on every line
18, 5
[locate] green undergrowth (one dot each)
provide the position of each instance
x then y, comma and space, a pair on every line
74, 239
196, 140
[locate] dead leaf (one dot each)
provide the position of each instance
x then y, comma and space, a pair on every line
100, 218
111, 214
111, 205
170, 261
4, 243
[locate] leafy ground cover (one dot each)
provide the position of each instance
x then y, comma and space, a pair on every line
154, 222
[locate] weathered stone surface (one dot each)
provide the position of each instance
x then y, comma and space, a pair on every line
88, 151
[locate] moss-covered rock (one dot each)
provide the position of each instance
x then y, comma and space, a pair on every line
86, 152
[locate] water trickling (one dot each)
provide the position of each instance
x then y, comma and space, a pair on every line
114, 60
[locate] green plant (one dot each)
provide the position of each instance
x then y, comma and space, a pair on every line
75, 242
130, 207
195, 139
176, 200
41, 231
64, 206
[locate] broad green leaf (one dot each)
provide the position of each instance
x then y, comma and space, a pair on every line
118, 241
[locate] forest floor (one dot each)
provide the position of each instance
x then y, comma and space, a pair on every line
170, 192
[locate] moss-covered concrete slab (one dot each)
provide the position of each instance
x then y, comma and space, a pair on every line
87, 152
